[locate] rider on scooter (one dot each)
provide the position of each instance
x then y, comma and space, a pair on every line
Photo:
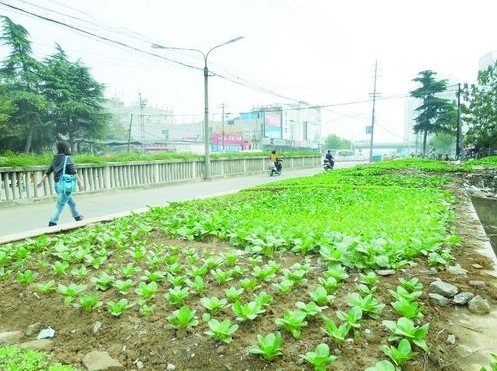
276, 160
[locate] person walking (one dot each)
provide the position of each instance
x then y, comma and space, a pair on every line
62, 157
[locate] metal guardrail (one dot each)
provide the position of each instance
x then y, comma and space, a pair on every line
20, 183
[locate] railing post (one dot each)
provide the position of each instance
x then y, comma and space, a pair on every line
107, 183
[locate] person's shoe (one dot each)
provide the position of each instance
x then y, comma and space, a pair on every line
78, 218
51, 224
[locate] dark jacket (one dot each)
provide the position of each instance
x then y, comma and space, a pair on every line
57, 165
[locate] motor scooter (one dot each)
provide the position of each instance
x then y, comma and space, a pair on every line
276, 167
328, 165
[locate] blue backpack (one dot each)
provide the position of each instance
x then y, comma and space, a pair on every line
67, 182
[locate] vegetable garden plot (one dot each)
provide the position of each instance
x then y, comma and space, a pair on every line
275, 277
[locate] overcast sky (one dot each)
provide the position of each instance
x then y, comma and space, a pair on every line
320, 51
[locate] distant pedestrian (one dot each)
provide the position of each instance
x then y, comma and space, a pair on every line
57, 168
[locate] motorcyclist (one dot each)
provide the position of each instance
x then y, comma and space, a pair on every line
276, 160
329, 157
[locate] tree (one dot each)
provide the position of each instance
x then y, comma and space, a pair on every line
480, 111
76, 108
436, 115
335, 142
20, 74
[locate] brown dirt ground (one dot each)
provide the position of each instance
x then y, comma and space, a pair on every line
153, 344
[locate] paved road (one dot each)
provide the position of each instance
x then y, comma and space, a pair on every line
22, 221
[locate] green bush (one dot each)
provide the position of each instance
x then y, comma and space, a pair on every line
13, 358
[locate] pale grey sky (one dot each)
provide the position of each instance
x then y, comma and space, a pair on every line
319, 51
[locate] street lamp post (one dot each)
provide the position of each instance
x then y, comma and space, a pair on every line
207, 163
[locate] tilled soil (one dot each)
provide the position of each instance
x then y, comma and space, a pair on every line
151, 343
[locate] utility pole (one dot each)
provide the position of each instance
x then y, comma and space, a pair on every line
222, 121
458, 132
142, 123
129, 131
373, 113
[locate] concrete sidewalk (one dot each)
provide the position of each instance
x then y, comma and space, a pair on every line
30, 220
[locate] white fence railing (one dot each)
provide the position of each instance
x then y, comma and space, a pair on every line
20, 183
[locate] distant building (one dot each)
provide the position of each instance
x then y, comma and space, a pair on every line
487, 60
286, 126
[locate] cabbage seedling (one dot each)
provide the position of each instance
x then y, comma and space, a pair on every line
400, 354
147, 290
367, 304
311, 308
183, 317
116, 309
293, 321
123, 286
247, 311
176, 295
70, 291
408, 309
221, 331
405, 328
320, 358
352, 318
337, 333
213, 304
60, 267
382, 366
233, 293
269, 346
320, 296
26, 277
198, 284
103, 282
285, 285
89, 302
46, 287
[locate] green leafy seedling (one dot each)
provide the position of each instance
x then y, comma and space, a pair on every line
311, 308
285, 285
268, 347
320, 296
123, 286
26, 277
147, 290
70, 291
103, 282
247, 312
89, 302
221, 331
233, 293
407, 308
493, 365
183, 317
293, 321
198, 284
352, 318
382, 366
405, 328
367, 304
177, 295
337, 333
249, 284
369, 279
411, 285
46, 287
400, 354
213, 304
320, 358
117, 309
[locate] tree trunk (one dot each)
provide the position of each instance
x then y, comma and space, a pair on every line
29, 140
425, 135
